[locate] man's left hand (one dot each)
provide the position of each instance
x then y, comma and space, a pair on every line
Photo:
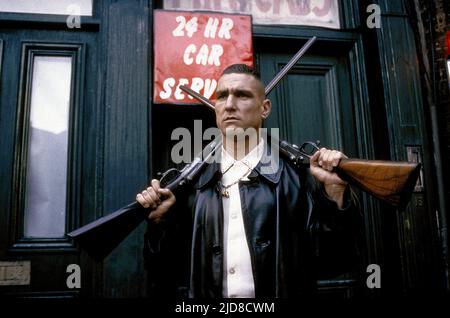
322, 164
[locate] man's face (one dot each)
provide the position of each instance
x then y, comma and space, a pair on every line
240, 102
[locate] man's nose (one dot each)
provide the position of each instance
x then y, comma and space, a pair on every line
230, 102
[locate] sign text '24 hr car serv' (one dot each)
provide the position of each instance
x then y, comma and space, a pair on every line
193, 49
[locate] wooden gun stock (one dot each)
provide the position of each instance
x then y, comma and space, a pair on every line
390, 181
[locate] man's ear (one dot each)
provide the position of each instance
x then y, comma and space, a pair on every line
266, 108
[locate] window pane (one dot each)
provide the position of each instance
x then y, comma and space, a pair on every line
64, 7
45, 202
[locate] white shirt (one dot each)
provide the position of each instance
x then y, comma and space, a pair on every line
238, 275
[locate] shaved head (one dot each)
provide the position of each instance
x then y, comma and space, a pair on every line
245, 69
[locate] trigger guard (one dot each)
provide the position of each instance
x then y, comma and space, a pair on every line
163, 180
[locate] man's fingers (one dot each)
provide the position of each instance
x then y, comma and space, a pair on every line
157, 199
336, 158
322, 164
314, 159
142, 201
148, 197
326, 160
321, 159
167, 194
154, 195
156, 185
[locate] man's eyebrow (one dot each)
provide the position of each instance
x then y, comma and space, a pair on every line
221, 92
235, 91
240, 91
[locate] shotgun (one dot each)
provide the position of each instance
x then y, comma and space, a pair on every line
100, 237
389, 181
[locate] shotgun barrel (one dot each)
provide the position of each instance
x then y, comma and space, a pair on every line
100, 237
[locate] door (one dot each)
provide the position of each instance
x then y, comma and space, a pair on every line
47, 120
315, 101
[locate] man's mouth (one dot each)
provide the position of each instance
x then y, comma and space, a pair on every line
231, 119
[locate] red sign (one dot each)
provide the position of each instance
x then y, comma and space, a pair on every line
447, 36
193, 49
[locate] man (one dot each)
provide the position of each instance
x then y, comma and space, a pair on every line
240, 231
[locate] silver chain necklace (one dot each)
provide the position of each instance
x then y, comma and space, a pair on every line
223, 189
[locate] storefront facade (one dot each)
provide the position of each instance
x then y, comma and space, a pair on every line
360, 88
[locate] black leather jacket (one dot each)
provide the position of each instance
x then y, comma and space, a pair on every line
295, 234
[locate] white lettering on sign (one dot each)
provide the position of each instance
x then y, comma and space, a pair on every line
211, 28
324, 13
167, 85
224, 31
205, 56
191, 48
190, 27
227, 25
178, 92
197, 84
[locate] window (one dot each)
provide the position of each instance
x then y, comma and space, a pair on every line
62, 7
46, 175
47, 164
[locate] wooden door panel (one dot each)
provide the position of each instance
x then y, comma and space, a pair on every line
313, 103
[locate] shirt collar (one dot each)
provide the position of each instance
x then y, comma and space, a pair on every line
251, 159
263, 168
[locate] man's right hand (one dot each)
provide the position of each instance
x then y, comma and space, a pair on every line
157, 199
